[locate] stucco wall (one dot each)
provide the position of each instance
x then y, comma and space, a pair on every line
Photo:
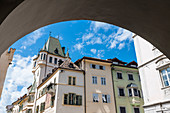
99, 107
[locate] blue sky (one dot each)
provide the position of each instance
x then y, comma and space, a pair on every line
82, 38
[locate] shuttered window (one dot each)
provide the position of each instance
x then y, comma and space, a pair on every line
72, 99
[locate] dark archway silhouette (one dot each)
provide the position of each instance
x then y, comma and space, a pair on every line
147, 18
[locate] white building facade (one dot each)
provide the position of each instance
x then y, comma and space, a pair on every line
154, 69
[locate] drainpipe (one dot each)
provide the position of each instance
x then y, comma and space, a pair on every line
84, 87
113, 89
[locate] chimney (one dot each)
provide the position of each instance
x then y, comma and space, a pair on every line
63, 48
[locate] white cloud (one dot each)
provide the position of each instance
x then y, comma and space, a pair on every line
121, 45
113, 44
86, 37
33, 37
95, 40
119, 37
19, 74
78, 46
23, 47
93, 51
100, 53
95, 26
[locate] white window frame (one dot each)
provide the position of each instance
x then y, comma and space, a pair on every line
94, 79
96, 99
168, 79
103, 81
107, 99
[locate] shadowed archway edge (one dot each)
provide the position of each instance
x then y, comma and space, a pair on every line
147, 18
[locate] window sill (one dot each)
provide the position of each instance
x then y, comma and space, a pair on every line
165, 87
72, 105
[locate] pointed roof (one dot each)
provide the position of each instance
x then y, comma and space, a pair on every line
132, 63
69, 65
53, 46
116, 60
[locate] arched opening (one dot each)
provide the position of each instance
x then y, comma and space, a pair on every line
83, 38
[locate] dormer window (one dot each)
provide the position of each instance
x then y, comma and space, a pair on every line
133, 65
71, 65
115, 63
56, 51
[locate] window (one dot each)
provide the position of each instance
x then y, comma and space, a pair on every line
103, 81
42, 106
119, 75
136, 110
97, 66
69, 80
166, 76
29, 111
95, 97
135, 92
65, 98
102, 67
52, 100
121, 92
122, 110
35, 64
44, 57
41, 56
106, 98
55, 61
93, 66
37, 109
139, 77
130, 92
130, 77
139, 93
72, 99
72, 80
94, 79
51, 59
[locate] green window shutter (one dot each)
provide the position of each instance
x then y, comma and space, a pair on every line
65, 99
80, 100
74, 99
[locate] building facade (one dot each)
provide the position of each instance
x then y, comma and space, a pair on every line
90, 85
98, 85
127, 87
5, 61
154, 69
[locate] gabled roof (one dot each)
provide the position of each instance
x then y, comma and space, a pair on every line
132, 63
69, 65
91, 58
116, 60
53, 46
